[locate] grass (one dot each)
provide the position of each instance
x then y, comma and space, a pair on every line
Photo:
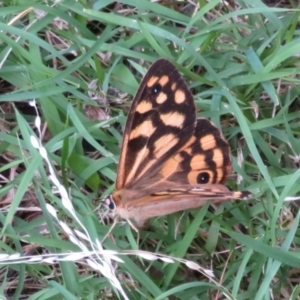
242, 65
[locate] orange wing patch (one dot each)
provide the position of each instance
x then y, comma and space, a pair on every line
179, 96
173, 119
208, 142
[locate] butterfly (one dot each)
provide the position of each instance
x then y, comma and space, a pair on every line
170, 161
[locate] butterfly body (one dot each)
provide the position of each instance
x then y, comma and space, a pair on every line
169, 160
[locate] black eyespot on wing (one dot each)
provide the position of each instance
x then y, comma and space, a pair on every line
156, 89
203, 177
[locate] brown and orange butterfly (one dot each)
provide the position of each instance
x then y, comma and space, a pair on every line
170, 161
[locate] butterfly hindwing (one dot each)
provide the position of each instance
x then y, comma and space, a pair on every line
203, 159
161, 120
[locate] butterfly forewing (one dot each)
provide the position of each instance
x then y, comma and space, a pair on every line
161, 120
